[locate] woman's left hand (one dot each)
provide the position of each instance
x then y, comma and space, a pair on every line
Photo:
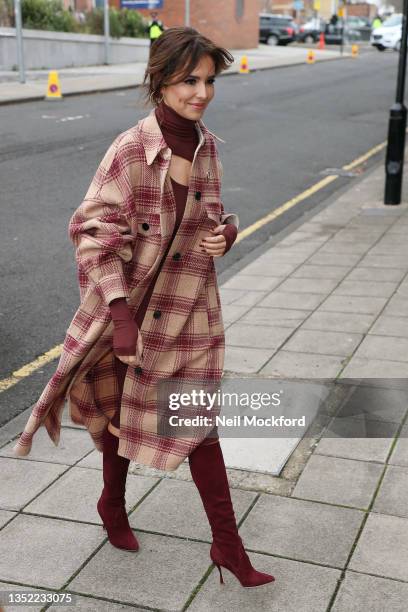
214, 245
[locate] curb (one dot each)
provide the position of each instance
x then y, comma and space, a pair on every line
35, 98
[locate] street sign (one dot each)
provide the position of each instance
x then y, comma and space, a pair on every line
316, 5
142, 4
340, 12
298, 5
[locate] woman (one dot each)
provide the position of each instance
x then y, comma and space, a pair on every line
146, 236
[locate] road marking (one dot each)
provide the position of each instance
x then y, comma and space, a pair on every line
55, 352
307, 193
28, 369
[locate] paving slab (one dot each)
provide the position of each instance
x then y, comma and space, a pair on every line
264, 455
400, 452
358, 304
298, 587
384, 261
339, 247
75, 494
392, 497
366, 288
21, 481
390, 348
302, 365
308, 285
250, 298
360, 592
74, 445
301, 530
246, 361
382, 548
390, 326
5, 516
265, 283
397, 306
175, 508
338, 481
323, 342
316, 272
279, 317
45, 552
230, 295
353, 438
281, 299
254, 336
232, 313
269, 268
359, 367
331, 259
339, 322
361, 273
174, 566
372, 401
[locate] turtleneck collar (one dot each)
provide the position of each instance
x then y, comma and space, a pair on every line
174, 124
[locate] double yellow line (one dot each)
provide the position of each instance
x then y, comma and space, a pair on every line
55, 352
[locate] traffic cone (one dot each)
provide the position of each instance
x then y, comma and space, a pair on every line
53, 88
354, 50
321, 44
243, 68
310, 57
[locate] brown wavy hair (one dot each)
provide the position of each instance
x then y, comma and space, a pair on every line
174, 55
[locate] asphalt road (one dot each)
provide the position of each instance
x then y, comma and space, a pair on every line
282, 128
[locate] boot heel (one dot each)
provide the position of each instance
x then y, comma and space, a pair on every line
219, 569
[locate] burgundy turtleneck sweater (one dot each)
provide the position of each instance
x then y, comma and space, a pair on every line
181, 137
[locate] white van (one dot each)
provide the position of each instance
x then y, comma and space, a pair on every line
388, 36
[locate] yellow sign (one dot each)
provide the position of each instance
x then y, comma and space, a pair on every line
53, 89
340, 12
316, 5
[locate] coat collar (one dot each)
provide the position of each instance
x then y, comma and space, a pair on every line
153, 139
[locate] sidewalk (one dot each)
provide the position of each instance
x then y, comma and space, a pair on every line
122, 76
330, 299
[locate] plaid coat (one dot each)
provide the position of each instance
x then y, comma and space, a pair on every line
121, 231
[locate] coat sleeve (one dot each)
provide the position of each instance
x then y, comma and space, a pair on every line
100, 227
226, 217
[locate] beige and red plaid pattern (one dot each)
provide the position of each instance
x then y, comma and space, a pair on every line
121, 231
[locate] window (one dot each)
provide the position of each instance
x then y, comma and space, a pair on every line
239, 9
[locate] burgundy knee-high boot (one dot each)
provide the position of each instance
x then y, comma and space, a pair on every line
111, 505
209, 474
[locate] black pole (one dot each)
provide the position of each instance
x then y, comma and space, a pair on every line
394, 161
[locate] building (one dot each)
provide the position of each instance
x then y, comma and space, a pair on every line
233, 24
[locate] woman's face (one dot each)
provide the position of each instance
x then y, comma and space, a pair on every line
191, 97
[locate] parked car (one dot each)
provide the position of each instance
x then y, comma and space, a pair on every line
310, 31
388, 36
276, 29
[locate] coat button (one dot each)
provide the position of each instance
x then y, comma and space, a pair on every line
145, 226
157, 314
176, 256
138, 369
198, 195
